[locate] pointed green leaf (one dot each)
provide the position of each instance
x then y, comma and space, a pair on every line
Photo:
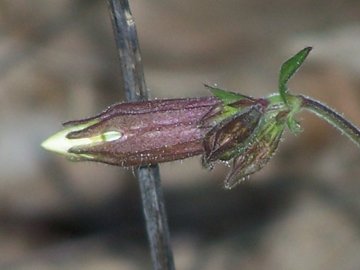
289, 68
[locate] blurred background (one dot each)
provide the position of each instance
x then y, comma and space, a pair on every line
58, 62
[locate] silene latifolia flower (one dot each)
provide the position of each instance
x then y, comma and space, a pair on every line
227, 127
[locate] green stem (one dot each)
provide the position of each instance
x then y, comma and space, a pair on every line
332, 117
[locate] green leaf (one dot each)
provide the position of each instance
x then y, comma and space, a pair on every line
289, 68
226, 97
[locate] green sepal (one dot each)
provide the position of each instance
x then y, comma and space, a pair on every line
227, 112
293, 125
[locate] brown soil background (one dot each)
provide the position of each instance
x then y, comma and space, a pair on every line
58, 62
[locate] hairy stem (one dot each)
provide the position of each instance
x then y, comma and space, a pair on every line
335, 119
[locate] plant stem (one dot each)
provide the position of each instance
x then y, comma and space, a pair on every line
332, 117
148, 176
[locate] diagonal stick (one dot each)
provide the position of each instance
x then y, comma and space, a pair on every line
149, 177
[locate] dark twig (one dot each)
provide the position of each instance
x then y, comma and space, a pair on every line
148, 177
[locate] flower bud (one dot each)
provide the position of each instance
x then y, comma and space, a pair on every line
258, 149
226, 127
222, 141
137, 133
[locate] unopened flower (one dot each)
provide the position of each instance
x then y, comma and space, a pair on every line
227, 127
257, 150
137, 133
222, 141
